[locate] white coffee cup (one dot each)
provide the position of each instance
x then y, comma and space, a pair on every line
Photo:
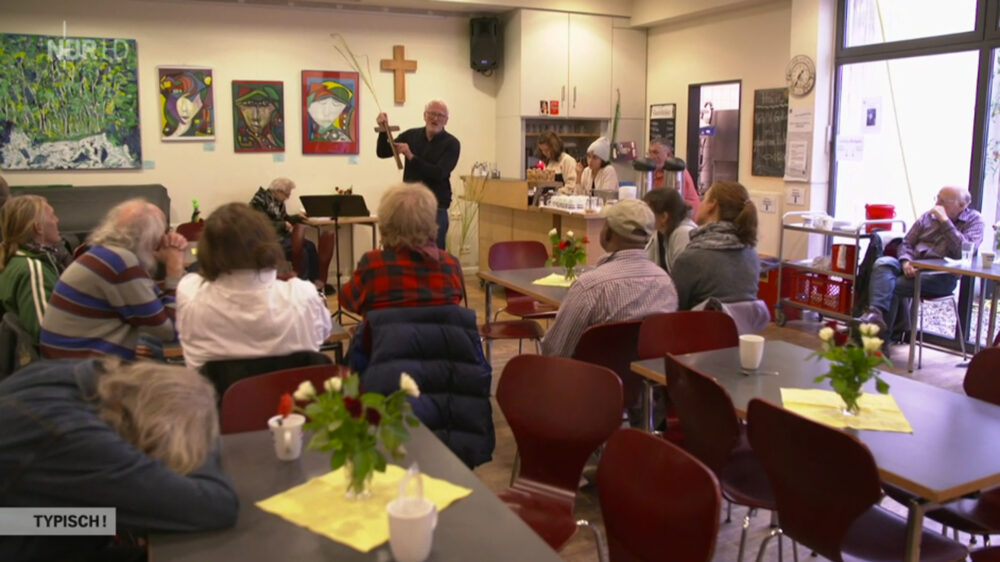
287, 434
751, 351
987, 258
411, 528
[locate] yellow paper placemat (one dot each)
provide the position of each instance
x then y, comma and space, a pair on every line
878, 411
554, 280
320, 506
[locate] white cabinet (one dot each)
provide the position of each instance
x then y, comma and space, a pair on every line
628, 73
564, 57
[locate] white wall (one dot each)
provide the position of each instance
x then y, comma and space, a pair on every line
751, 45
269, 43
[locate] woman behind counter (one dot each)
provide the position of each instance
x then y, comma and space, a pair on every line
598, 174
551, 148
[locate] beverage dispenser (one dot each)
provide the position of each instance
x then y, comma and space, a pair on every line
644, 179
673, 174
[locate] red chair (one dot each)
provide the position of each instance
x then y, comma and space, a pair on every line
298, 241
520, 254
714, 435
986, 555
613, 345
688, 331
559, 410
826, 486
669, 514
249, 403
191, 230
223, 373
325, 249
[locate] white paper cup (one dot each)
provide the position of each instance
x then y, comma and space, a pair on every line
751, 351
287, 436
411, 528
987, 258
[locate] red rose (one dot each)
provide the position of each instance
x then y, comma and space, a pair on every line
586, 240
372, 416
353, 406
285, 405
563, 244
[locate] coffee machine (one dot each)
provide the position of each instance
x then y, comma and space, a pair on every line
673, 174
645, 167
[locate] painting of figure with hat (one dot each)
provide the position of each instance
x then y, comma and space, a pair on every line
329, 112
258, 116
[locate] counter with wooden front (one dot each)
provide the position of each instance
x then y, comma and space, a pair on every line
504, 214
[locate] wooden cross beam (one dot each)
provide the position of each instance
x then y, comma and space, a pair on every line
392, 142
399, 66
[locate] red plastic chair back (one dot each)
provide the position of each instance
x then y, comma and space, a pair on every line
191, 230
249, 403
559, 410
298, 240
981, 377
823, 478
613, 345
687, 331
518, 254
670, 513
711, 427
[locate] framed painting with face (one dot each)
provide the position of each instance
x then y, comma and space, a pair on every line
258, 116
329, 112
187, 108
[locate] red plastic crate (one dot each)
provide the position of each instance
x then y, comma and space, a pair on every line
821, 291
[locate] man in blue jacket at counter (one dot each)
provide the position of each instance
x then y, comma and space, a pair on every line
431, 154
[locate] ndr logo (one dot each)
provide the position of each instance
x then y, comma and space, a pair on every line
88, 49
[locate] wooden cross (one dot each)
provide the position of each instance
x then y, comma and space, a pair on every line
392, 142
399, 66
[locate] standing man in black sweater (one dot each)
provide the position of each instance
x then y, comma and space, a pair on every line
431, 154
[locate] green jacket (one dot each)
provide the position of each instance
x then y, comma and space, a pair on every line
26, 284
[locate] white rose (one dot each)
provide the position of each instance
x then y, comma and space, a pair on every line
408, 385
871, 344
826, 334
305, 391
872, 329
553, 232
569, 234
333, 384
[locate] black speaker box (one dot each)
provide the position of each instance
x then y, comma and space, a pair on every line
484, 43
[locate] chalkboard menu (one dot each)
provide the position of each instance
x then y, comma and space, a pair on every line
662, 121
770, 123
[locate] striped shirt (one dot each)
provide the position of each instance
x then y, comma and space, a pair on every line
625, 285
932, 239
101, 303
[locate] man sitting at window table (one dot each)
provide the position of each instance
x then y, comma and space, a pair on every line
625, 285
938, 233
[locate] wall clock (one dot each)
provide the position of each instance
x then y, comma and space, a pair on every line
800, 75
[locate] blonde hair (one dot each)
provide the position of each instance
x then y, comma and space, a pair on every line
136, 225
166, 412
17, 224
407, 216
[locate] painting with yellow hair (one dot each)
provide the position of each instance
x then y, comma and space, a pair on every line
329, 112
187, 110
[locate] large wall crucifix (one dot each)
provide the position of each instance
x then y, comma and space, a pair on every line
399, 66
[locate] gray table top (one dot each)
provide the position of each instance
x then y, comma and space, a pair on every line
521, 280
951, 451
477, 527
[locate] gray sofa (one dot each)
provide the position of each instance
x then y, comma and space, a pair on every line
80, 208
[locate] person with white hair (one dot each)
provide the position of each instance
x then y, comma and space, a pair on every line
106, 298
271, 202
625, 285
599, 173
431, 154
141, 438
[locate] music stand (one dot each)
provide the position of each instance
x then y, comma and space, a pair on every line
336, 207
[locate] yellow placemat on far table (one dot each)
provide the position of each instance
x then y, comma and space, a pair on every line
878, 411
553, 280
320, 506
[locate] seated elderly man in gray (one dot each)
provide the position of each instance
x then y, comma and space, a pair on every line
625, 285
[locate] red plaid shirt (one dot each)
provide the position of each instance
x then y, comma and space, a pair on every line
403, 277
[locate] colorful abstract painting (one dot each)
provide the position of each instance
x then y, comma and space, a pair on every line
329, 112
187, 109
258, 116
68, 103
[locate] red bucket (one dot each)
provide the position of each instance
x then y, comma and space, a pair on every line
880, 212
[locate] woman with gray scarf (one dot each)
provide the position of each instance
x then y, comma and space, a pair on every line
721, 259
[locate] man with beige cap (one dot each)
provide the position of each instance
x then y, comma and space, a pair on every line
625, 285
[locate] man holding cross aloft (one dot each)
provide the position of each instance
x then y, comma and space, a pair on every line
431, 154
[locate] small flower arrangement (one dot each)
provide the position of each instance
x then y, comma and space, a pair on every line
851, 365
348, 191
351, 423
568, 252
